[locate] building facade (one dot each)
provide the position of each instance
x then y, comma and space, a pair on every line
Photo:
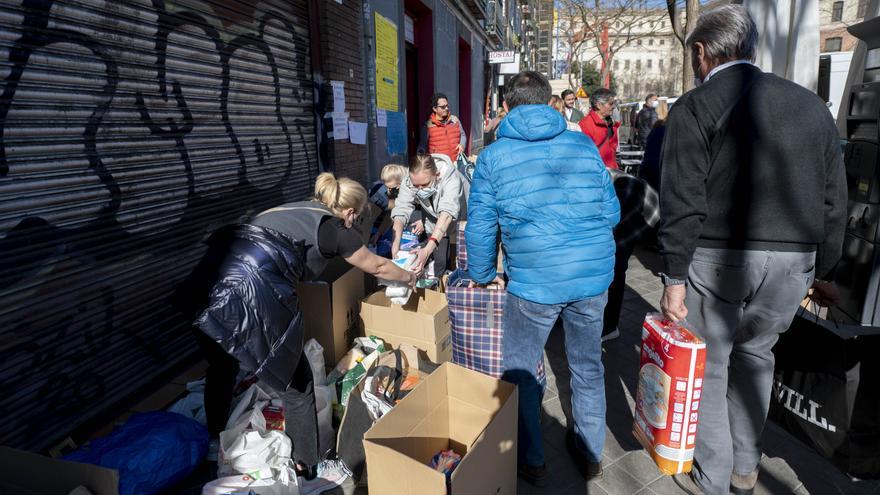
834, 17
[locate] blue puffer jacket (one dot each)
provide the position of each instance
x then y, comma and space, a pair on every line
548, 190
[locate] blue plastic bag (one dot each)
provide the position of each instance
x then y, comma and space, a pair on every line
152, 451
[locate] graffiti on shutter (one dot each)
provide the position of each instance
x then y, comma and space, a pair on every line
128, 131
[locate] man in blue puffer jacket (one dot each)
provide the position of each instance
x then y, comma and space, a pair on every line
547, 190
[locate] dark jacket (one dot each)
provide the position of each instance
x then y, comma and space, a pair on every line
252, 310
576, 115
645, 123
766, 180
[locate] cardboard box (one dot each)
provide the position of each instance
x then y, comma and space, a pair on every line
453, 408
26, 473
422, 322
330, 308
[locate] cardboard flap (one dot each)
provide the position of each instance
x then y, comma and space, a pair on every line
24, 473
410, 412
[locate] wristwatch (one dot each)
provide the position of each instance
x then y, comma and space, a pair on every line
667, 280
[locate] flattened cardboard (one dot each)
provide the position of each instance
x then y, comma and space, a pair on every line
472, 413
424, 317
330, 307
26, 473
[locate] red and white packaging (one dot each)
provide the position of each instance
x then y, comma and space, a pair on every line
670, 386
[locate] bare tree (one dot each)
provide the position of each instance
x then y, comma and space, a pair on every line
692, 10
586, 26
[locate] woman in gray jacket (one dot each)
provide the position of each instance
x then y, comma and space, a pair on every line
436, 186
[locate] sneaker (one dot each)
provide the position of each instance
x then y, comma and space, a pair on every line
590, 470
611, 335
686, 482
743, 484
533, 475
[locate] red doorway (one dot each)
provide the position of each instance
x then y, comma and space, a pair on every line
419, 71
464, 89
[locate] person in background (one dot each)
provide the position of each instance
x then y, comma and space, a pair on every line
571, 113
754, 212
547, 191
383, 194
650, 168
662, 113
557, 103
491, 125
646, 119
639, 212
242, 296
443, 132
600, 127
434, 185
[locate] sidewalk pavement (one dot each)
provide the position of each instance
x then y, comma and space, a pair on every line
788, 466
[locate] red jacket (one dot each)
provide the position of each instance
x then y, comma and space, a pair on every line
597, 128
443, 137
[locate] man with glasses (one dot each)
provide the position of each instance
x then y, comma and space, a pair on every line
601, 128
443, 132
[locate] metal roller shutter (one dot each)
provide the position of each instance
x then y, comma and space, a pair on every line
129, 130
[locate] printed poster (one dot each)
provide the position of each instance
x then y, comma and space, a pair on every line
386, 64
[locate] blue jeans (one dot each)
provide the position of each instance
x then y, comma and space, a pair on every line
527, 326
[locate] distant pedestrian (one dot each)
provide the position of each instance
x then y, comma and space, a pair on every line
599, 125
646, 119
557, 103
572, 114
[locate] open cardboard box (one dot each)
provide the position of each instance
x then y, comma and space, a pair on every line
330, 307
422, 322
26, 473
454, 408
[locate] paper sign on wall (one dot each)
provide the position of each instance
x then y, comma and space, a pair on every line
358, 132
386, 64
338, 96
381, 117
340, 126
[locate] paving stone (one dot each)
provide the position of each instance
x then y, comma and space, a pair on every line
617, 481
641, 467
665, 486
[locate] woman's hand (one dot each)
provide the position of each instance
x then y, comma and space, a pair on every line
417, 227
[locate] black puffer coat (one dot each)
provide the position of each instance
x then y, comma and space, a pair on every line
252, 307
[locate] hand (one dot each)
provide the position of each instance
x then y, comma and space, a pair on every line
825, 294
499, 281
672, 303
413, 279
424, 253
459, 149
417, 227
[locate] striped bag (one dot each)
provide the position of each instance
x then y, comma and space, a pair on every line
477, 316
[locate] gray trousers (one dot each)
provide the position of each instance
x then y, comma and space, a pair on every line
739, 302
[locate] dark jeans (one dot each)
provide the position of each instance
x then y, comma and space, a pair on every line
617, 289
300, 414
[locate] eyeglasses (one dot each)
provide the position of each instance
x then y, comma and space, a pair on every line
442, 107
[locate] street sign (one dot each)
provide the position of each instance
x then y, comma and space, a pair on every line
581, 93
502, 57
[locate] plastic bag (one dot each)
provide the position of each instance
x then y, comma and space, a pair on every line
247, 446
245, 485
324, 395
193, 405
151, 451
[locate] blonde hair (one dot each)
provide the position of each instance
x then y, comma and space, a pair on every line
662, 110
339, 194
558, 103
393, 171
421, 162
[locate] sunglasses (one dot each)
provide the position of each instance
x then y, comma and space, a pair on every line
442, 107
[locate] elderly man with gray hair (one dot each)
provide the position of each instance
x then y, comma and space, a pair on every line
753, 207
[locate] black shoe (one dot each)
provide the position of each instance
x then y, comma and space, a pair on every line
589, 470
686, 482
533, 475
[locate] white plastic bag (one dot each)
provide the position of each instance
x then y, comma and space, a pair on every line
324, 395
244, 485
193, 405
247, 447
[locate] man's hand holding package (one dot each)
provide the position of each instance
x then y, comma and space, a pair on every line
672, 303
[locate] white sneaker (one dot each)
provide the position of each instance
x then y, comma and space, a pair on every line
611, 336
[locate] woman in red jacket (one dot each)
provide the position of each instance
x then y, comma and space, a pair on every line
599, 125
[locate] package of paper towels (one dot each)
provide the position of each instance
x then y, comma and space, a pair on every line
399, 292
